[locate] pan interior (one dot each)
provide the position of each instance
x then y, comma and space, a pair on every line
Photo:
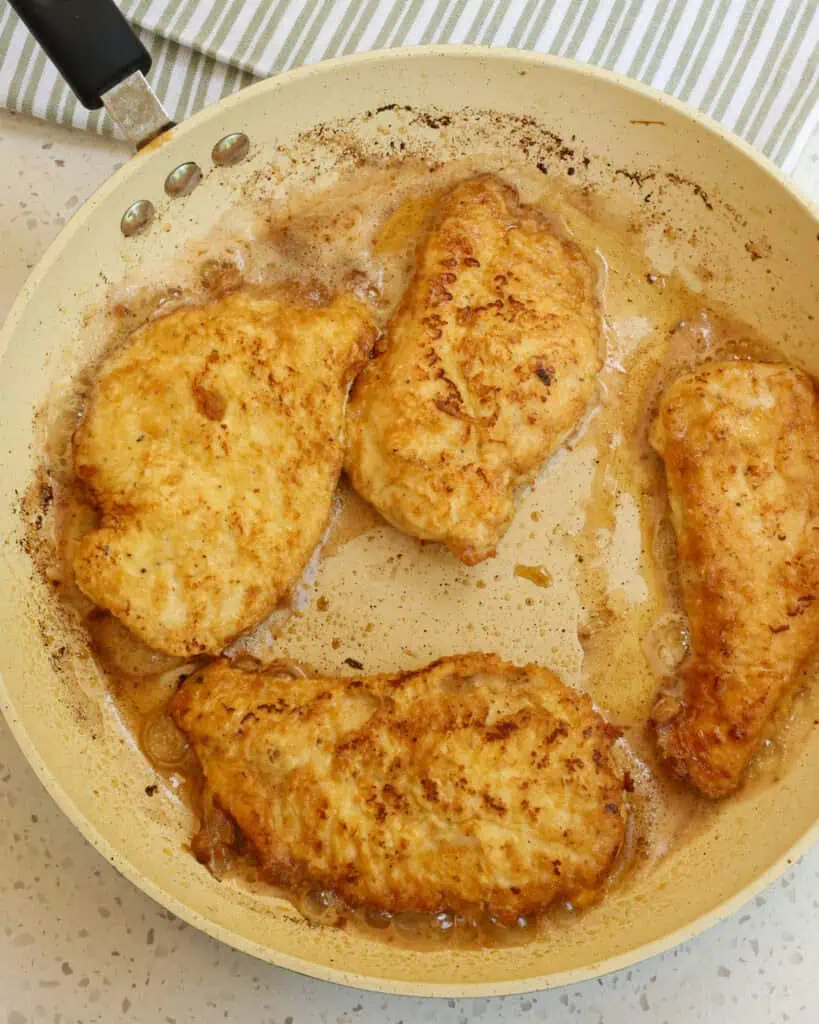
696, 243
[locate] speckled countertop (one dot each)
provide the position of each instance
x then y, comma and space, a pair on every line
78, 943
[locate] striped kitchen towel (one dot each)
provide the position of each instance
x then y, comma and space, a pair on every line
751, 64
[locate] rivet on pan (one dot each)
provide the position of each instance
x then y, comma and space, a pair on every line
137, 217
231, 149
183, 179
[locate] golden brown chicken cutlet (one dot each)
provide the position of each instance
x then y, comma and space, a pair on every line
740, 441
488, 364
471, 783
212, 444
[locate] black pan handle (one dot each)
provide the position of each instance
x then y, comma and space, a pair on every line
91, 43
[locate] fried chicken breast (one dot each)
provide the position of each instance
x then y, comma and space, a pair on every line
467, 784
212, 443
489, 363
740, 441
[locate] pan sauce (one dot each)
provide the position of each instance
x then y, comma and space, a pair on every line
594, 522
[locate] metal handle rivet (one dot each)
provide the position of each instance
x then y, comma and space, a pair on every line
137, 217
183, 179
231, 149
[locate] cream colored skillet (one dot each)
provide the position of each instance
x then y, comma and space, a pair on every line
720, 216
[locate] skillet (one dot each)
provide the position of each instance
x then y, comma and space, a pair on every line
717, 213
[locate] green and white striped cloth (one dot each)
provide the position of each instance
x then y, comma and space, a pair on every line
752, 64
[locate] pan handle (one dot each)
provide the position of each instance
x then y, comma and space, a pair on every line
98, 54
90, 42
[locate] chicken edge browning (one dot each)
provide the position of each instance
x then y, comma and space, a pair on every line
471, 785
740, 443
211, 445
489, 364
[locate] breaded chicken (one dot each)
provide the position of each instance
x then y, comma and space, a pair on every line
740, 442
212, 443
489, 363
468, 784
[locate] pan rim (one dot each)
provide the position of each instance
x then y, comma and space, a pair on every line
91, 832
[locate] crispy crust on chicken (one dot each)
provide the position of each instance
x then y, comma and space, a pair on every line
740, 441
489, 363
471, 783
212, 444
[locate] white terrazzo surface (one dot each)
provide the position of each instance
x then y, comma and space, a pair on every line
80, 944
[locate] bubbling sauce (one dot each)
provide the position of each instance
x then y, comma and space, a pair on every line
605, 612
